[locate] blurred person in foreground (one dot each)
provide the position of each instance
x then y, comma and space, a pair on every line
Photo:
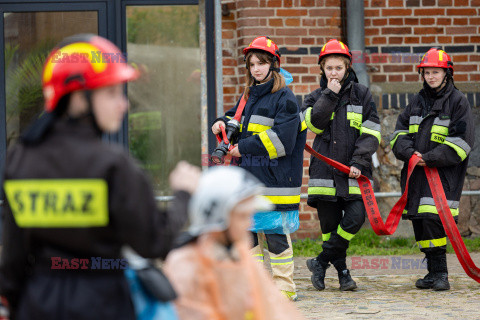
214, 273
72, 199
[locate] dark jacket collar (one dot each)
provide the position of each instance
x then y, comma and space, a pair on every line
432, 100
261, 89
76, 127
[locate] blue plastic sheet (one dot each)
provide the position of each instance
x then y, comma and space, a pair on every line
279, 222
146, 306
287, 75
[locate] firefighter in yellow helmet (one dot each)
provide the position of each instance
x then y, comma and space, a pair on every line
436, 125
72, 201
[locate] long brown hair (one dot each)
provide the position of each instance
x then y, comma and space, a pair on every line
278, 80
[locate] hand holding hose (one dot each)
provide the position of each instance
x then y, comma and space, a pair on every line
420, 163
216, 128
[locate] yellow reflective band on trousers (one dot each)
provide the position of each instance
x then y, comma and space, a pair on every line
432, 243
308, 121
326, 236
258, 257
60, 203
344, 234
275, 261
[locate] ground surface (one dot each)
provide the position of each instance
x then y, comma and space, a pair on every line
386, 290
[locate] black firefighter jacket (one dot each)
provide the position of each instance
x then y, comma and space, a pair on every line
444, 136
73, 197
271, 143
347, 130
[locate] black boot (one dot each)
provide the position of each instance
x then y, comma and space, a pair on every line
318, 273
427, 281
440, 281
344, 278
440, 273
346, 281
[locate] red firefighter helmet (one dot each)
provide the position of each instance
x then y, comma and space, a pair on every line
436, 58
264, 44
83, 62
333, 46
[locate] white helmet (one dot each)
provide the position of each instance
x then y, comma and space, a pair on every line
219, 190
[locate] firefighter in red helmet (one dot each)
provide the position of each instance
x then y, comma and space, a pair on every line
344, 118
436, 125
71, 199
270, 146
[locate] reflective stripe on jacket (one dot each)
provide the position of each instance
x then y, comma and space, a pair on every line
444, 137
75, 197
347, 130
271, 143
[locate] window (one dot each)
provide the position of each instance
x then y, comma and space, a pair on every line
164, 115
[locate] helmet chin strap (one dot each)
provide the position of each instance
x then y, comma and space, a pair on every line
440, 85
272, 68
255, 81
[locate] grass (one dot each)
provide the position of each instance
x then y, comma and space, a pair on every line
366, 242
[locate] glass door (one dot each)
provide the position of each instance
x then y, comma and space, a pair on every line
165, 104
28, 32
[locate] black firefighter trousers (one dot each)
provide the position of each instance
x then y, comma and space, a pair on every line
339, 221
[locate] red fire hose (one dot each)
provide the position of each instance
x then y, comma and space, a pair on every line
238, 117
396, 213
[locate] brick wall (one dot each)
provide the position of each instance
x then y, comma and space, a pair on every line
397, 33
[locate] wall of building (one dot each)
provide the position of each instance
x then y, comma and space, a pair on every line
397, 33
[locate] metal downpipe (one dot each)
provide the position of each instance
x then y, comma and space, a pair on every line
356, 39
